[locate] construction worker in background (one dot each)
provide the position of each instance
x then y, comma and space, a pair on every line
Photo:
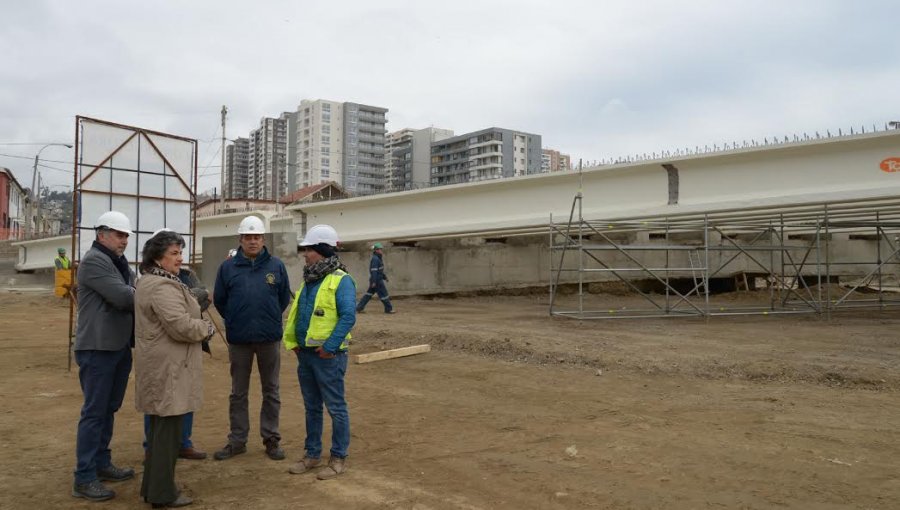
103, 343
251, 293
376, 281
63, 275
61, 261
318, 330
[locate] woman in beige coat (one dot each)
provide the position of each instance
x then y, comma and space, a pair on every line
167, 362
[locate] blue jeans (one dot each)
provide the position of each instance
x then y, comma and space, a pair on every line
322, 381
104, 378
187, 426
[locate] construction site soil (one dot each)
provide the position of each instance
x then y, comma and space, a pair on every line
513, 409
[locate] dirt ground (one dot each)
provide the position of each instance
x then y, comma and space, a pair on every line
513, 409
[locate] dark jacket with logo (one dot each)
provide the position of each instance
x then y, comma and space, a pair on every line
251, 296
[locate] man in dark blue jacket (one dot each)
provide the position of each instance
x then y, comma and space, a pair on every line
251, 293
376, 282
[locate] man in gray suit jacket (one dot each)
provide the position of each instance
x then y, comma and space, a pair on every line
103, 344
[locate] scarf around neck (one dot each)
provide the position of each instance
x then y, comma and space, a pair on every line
158, 271
322, 268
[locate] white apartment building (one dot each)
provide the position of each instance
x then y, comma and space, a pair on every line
340, 142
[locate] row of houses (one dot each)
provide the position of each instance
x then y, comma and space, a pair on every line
348, 144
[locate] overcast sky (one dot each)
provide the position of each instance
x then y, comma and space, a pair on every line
595, 78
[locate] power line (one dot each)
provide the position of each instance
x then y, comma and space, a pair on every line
32, 157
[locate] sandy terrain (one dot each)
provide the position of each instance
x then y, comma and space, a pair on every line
512, 410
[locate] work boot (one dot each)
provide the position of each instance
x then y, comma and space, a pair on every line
191, 453
336, 467
230, 451
390, 311
181, 500
93, 491
305, 464
113, 474
274, 451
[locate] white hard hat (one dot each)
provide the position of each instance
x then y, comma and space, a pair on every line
164, 229
114, 220
320, 234
251, 225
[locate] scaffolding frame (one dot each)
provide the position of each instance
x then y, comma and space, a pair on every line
793, 248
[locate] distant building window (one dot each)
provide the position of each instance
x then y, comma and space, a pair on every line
326, 107
326, 140
326, 162
326, 129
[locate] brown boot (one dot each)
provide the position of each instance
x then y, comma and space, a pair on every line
191, 453
336, 467
305, 464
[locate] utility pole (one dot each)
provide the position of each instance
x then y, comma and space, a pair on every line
222, 170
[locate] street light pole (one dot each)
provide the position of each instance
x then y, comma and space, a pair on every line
35, 197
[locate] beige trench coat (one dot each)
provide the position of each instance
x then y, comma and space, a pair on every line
168, 359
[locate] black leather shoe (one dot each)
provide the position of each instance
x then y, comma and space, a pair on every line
113, 474
94, 491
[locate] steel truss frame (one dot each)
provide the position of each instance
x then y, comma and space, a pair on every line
793, 247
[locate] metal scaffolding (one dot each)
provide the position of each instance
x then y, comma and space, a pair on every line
799, 251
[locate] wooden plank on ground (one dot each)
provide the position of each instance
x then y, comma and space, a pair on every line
391, 353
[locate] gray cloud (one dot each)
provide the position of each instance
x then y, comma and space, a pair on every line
596, 79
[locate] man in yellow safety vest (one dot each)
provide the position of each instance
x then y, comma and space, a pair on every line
317, 330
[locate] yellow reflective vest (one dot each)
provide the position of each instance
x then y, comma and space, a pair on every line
320, 324
61, 263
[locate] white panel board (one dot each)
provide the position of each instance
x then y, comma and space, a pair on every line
98, 141
151, 161
135, 179
152, 213
98, 181
124, 182
179, 154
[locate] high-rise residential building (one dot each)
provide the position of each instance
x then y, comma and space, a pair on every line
340, 142
408, 157
237, 167
553, 161
492, 153
364, 130
267, 162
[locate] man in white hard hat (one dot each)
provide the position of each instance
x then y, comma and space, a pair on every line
318, 330
103, 343
251, 293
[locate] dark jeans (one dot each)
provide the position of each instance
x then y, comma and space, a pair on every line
268, 360
163, 439
382, 291
104, 378
187, 426
322, 382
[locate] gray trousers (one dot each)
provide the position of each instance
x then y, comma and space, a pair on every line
268, 360
163, 441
